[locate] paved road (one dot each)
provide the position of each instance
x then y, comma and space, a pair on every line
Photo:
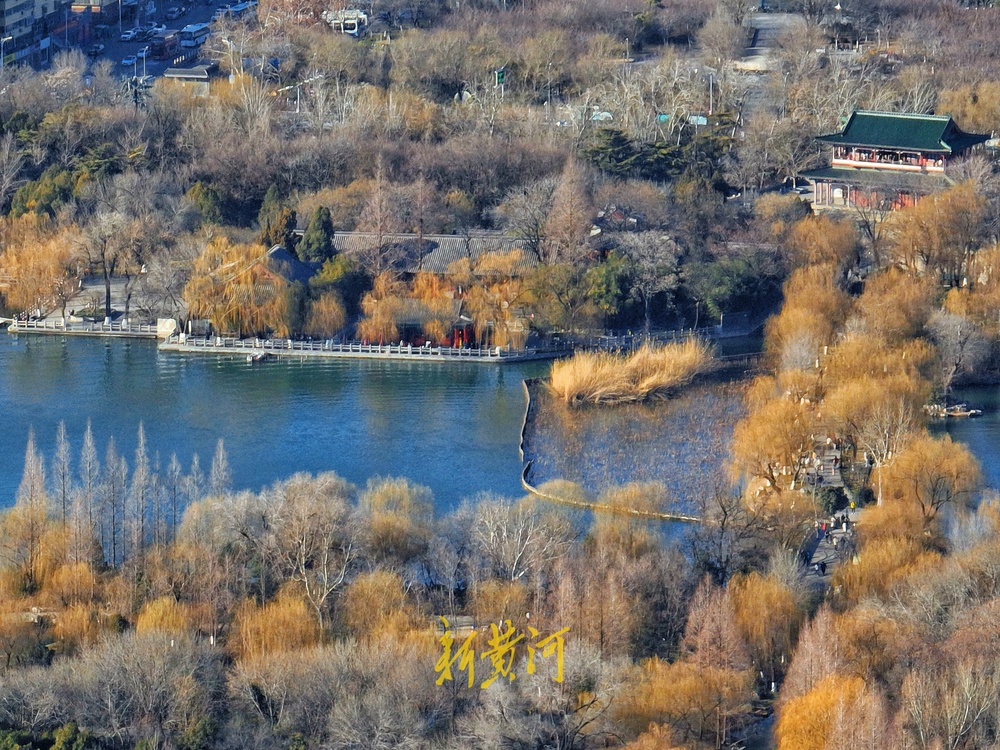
116, 50
833, 546
758, 59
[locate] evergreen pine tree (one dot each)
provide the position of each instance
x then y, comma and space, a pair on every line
317, 241
280, 230
270, 207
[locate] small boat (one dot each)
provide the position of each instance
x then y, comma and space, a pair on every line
940, 411
961, 410
258, 356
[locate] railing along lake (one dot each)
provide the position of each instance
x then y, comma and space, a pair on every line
329, 348
83, 328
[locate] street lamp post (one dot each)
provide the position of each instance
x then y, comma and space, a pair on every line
2, 43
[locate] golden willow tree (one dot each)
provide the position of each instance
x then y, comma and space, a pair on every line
232, 286
495, 297
940, 233
381, 309
38, 264
392, 306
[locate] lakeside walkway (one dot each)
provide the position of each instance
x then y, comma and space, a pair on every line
59, 327
830, 548
833, 541
280, 348
285, 348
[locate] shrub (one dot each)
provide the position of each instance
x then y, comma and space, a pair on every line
650, 372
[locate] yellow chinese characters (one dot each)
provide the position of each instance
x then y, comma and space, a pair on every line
501, 653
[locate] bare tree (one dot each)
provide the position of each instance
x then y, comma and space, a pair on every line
90, 483
136, 511
883, 431
946, 703
380, 218
220, 478
292, 692
712, 637
961, 346
524, 210
872, 214
11, 164
732, 537
515, 540
653, 264
24, 525
194, 482
112, 501
142, 689
173, 487
254, 109
102, 240
570, 216
311, 536
62, 473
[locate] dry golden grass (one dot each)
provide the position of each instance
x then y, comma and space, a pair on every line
650, 372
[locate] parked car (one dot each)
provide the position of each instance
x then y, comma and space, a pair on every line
128, 60
143, 53
95, 50
174, 13
130, 34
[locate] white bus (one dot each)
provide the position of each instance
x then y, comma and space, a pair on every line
242, 10
195, 34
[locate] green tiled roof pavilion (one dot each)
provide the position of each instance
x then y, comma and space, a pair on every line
932, 134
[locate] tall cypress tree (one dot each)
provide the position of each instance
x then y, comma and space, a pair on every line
270, 207
317, 241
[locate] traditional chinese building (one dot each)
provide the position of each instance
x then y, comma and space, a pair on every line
889, 158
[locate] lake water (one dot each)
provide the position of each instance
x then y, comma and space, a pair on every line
451, 427
981, 434
683, 443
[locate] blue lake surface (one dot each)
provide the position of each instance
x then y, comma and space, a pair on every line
981, 434
451, 427
683, 443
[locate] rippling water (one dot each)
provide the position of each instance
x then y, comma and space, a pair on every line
981, 434
452, 427
683, 442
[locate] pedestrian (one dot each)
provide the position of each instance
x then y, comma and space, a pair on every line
822, 568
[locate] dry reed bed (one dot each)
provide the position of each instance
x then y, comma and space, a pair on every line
650, 372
